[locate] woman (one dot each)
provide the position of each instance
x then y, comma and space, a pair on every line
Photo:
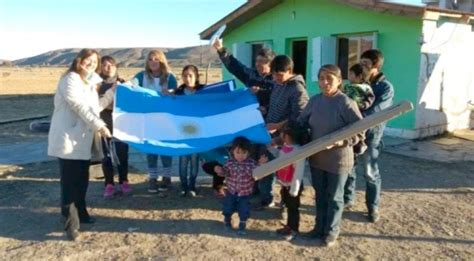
325, 113
113, 149
74, 135
157, 76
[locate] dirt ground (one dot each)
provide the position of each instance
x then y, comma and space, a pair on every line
427, 213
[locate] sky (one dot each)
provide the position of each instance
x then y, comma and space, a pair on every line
32, 27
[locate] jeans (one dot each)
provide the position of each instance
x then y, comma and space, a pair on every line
233, 203
193, 162
292, 207
121, 149
74, 182
329, 189
265, 187
370, 166
152, 161
350, 186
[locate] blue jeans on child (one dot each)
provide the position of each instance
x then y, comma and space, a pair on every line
152, 162
233, 203
265, 188
192, 161
329, 189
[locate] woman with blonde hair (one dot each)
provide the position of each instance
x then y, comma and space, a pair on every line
157, 76
74, 134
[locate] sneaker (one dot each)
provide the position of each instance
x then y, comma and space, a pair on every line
183, 193
192, 193
330, 241
271, 205
291, 236
125, 188
374, 216
109, 191
152, 186
164, 184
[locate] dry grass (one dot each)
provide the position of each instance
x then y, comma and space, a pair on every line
28, 92
28, 81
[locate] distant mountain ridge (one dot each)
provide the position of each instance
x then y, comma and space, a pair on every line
128, 57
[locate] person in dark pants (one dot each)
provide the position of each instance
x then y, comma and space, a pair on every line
188, 164
115, 151
325, 113
74, 136
372, 61
291, 181
260, 81
239, 180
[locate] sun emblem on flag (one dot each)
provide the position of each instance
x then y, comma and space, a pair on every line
190, 129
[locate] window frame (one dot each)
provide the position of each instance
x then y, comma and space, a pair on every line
372, 35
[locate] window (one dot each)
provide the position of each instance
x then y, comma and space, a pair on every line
350, 47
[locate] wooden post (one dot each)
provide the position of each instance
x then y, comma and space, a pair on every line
320, 144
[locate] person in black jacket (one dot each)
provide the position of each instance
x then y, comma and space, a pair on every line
259, 80
114, 150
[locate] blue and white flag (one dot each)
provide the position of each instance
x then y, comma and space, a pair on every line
220, 87
181, 125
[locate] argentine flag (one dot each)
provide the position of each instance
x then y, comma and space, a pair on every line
181, 125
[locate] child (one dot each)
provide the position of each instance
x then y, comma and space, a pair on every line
291, 181
358, 89
238, 175
190, 77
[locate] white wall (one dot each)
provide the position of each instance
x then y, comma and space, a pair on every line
446, 81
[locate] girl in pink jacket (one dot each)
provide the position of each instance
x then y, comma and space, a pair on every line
291, 181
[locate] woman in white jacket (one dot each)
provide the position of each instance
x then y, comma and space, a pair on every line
74, 134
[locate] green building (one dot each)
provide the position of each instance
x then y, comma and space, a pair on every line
428, 51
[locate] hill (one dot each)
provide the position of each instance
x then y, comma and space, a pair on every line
128, 57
